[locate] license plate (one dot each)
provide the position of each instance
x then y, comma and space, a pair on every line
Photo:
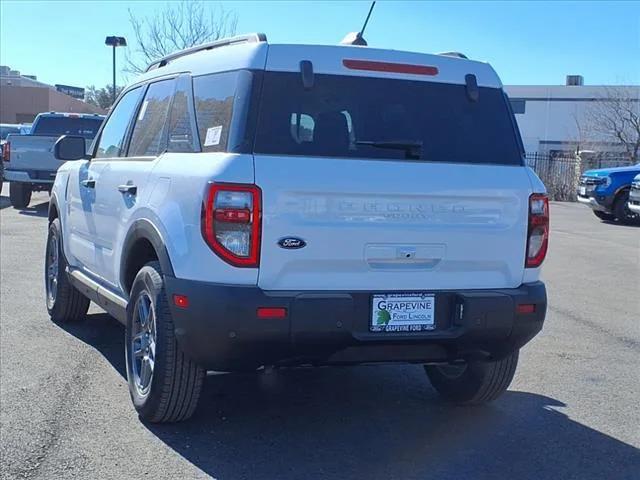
583, 191
403, 312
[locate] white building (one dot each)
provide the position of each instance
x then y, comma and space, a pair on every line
549, 115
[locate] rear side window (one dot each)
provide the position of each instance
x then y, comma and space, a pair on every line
365, 117
112, 138
57, 126
182, 137
214, 96
150, 130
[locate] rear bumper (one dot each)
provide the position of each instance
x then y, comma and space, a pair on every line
30, 176
220, 329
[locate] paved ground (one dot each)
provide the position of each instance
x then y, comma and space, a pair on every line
572, 412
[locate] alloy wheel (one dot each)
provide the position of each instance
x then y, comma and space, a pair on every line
143, 343
52, 270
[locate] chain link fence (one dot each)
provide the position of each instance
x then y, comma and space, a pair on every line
561, 173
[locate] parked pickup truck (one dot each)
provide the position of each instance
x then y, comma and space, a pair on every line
606, 191
28, 159
634, 195
5, 130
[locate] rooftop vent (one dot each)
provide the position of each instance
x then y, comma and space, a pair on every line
575, 80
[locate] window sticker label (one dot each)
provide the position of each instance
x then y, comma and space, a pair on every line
213, 136
143, 110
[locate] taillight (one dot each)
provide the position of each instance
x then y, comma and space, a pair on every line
6, 152
538, 231
231, 223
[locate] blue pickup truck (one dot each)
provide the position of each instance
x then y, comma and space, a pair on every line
606, 191
634, 195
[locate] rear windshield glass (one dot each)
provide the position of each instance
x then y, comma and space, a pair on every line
6, 130
56, 126
364, 117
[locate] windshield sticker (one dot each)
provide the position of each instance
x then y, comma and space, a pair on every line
143, 110
213, 136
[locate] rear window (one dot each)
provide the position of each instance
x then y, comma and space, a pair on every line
6, 130
364, 117
56, 126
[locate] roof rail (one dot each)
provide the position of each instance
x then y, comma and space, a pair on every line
454, 54
223, 42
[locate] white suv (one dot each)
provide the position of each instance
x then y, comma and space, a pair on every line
250, 205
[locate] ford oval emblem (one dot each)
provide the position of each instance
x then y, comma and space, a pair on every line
292, 242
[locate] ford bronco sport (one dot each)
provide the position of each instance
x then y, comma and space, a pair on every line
250, 205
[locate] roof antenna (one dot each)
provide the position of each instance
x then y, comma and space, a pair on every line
356, 38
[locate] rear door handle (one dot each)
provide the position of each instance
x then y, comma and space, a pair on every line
89, 183
128, 188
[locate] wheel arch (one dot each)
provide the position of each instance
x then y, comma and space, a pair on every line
142, 244
54, 210
620, 190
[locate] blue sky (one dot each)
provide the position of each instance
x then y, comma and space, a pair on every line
527, 42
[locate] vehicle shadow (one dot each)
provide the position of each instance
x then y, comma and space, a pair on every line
105, 334
619, 224
38, 210
381, 422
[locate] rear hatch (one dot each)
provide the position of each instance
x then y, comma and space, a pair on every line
393, 182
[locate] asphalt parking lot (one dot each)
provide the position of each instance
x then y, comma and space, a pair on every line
572, 411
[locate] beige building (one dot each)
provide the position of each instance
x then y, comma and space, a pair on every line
22, 97
552, 118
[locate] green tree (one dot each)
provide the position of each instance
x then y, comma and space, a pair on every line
101, 97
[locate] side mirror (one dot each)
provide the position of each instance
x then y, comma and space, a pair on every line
70, 147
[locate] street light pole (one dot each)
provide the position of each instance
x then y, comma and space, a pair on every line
113, 97
115, 42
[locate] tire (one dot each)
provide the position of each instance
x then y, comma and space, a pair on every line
622, 212
19, 194
164, 383
474, 383
607, 217
65, 303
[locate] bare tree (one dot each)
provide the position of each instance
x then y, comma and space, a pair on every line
177, 27
615, 118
